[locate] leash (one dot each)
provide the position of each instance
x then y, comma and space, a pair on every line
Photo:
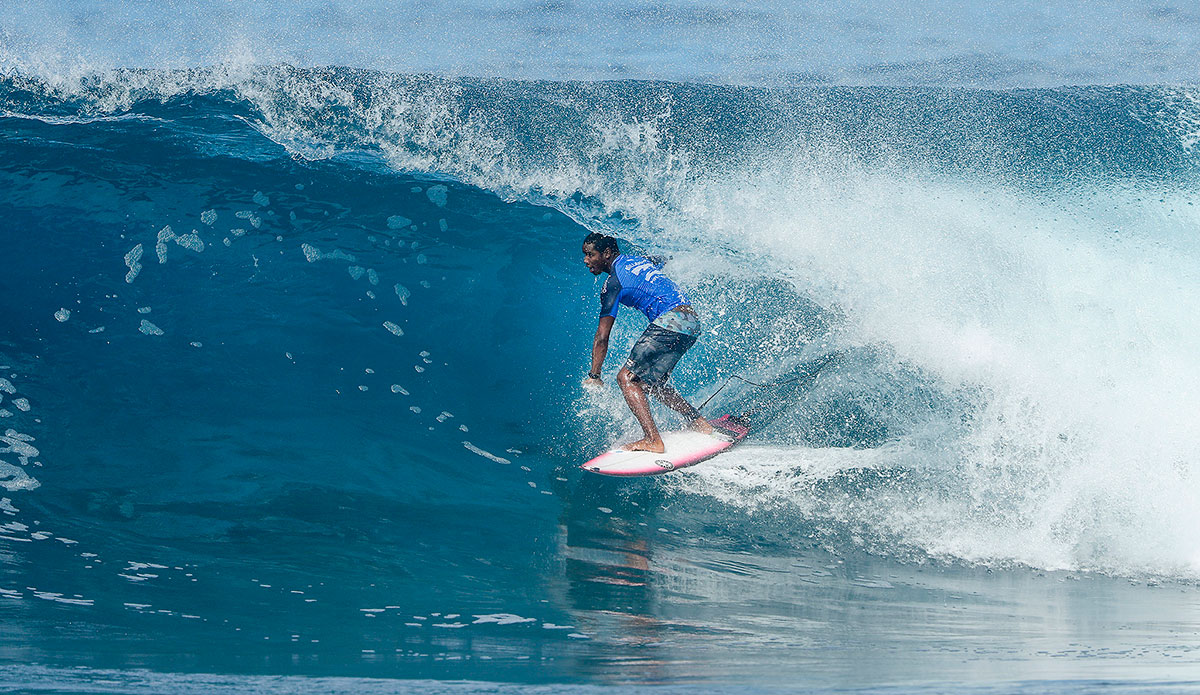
807, 374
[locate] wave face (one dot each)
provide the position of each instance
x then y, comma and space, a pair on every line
287, 345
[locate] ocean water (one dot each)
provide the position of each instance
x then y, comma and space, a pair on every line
293, 321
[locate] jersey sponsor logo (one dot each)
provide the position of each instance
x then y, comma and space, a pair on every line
652, 272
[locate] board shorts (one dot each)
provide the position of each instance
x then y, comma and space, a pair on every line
663, 342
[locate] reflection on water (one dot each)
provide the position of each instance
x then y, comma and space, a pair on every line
666, 597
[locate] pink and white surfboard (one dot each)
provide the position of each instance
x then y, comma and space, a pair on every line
684, 448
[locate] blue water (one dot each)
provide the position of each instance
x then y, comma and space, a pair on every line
293, 321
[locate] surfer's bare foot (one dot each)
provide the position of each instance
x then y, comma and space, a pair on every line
652, 445
701, 425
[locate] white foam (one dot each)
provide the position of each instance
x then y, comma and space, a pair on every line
133, 262
403, 293
393, 328
59, 598
13, 478
160, 247
18, 444
249, 215
437, 195
487, 455
501, 619
133, 566
312, 253
149, 328
62, 315
191, 241
1074, 448
208, 217
398, 222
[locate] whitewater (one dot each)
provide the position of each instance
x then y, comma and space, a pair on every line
295, 319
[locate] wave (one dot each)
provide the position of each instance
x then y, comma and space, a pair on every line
1006, 275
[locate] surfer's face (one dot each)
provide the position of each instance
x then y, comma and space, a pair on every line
595, 261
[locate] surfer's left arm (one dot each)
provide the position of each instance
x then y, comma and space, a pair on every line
600, 349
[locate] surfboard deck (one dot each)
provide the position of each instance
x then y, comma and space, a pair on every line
684, 448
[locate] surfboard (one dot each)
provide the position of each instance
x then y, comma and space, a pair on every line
684, 448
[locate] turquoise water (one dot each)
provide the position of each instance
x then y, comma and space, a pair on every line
290, 361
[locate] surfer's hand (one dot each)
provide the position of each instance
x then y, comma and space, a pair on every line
593, 383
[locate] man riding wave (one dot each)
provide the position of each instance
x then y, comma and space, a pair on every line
674, 326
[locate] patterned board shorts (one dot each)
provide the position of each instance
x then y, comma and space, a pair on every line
664, 341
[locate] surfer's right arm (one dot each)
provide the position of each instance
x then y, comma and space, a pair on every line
609, 305
599, 349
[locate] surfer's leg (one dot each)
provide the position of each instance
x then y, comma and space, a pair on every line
665, 341
668, 396
635, 396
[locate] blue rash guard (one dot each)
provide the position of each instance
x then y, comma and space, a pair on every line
639, 283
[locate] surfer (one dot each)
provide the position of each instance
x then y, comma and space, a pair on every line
640, 283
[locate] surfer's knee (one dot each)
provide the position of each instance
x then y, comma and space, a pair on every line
626, 378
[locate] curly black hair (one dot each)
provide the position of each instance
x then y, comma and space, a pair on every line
601, 242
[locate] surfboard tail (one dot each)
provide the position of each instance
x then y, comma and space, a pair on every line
730, 427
